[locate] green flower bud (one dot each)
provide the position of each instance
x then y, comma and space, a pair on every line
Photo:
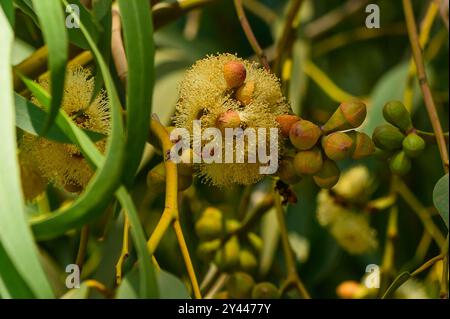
396, 113
247, 261
286, 171
400, 164
413, 145
265, 290
255, 241
240, 285
308, 162
231, 225
347, 116
363, 145
304, 134
228, 258
328, 176
209, 225
337, 146
387, 137
156, 179
207, 249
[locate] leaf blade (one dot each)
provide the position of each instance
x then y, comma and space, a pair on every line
51, 19
15, 235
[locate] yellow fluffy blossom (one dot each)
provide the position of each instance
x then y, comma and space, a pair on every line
252, 99
63, 164
346, 222
353, 233
355, 185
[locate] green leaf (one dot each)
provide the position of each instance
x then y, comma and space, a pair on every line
440, 197
170, 287
15, 234
77, 293
148, 286
400, 280
12, 284
26, 7
51, 19
76, 36
8, 9
31, 119
139, 46
100, 8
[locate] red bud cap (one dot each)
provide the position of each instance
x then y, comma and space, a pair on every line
286, 121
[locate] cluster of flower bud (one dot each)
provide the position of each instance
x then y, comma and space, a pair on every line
319, 148
222, 244
241, 285
398, 140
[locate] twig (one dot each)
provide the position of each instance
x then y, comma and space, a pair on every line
125, 249
422, 76
359, 34
117, 48
170, 215
387, 266
333, 18
187, 258
101, 288
284, 45
425, 29
431, 137
250, 35
292, 280
443, 10
84, 237
217, 286
261, 10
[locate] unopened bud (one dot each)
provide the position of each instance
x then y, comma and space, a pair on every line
240, 285
304, 134
245, 93
363, 145
328, 176
255, 241
265, 290
400, 164
308, 162
348, 289
232, 225
396, 113
228, 119
247, 261
234, 73
209, 225
387, 137
337, 146
413, 145
228, 258
286, 171
207, 249
285, 122
347, 116
156, 179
